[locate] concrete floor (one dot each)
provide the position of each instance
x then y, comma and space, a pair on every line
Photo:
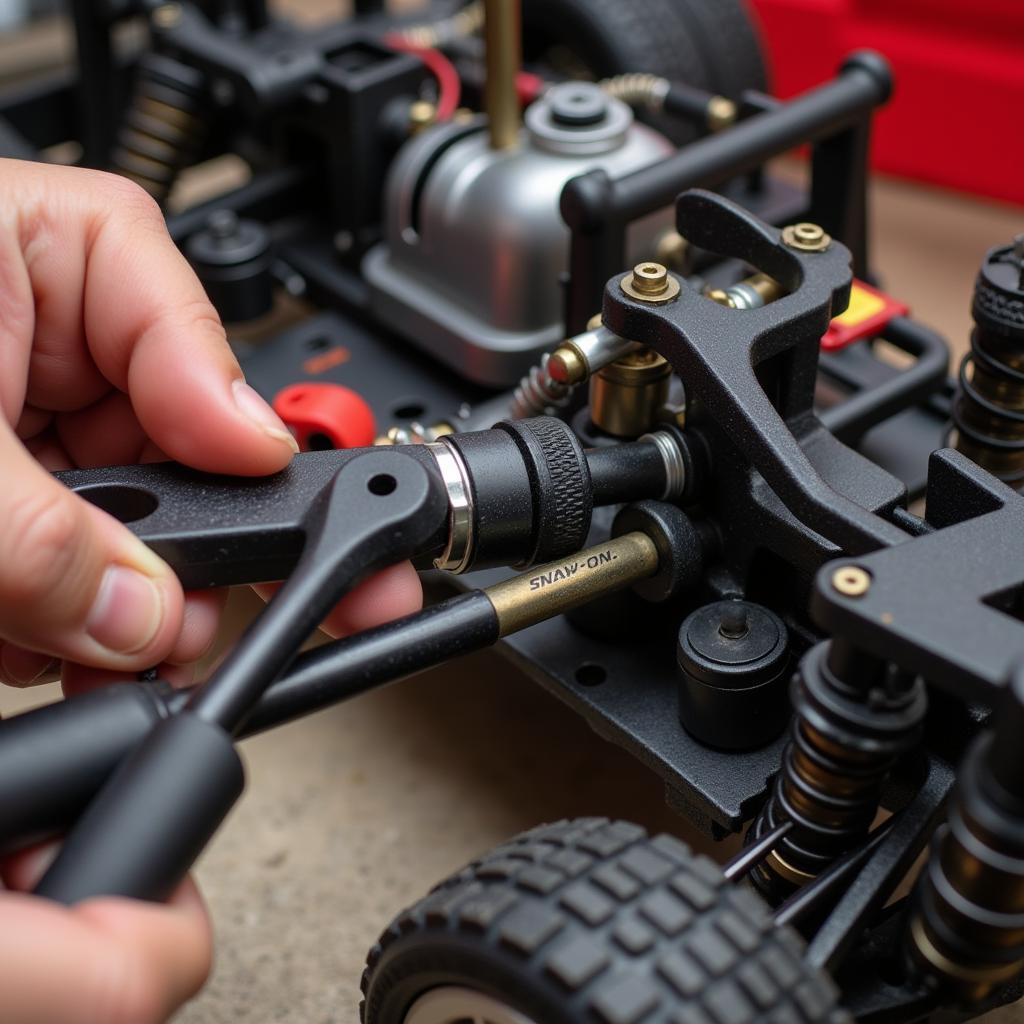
356, 812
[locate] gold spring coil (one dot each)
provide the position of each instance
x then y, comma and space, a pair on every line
163, 129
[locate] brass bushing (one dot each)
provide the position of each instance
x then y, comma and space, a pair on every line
806, 237
626, 396
851, 581
650, 282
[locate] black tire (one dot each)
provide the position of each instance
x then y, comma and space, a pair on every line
591, 920
711, 44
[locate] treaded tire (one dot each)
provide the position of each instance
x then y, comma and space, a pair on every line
593, 921
711, 44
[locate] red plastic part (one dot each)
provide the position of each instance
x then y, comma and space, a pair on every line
955, 117
326, 415
866, 316
449, 85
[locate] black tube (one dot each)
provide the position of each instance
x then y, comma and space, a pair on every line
851, 419
598, 209
152, 818
688, 102
863, 83
347, 668
626, 472
55, 759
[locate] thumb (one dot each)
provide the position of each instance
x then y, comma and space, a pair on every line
74, 583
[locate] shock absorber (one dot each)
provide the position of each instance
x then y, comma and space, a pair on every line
853, 717
163, 128
988, 410
967, 920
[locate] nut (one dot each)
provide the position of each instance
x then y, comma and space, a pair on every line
851, 581
806, 237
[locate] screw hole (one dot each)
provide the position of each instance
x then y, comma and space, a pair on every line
591, 674
317, 344
381, 484
125, 503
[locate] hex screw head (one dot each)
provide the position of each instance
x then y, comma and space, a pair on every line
851, 581
806, 237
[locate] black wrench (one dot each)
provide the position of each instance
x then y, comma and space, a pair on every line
143, 831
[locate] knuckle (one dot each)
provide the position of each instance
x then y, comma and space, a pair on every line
38, 544
127, 200
200, 315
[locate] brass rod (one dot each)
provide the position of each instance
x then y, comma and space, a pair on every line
556, 587
502, 30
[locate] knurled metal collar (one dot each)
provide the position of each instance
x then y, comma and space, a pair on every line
458, 552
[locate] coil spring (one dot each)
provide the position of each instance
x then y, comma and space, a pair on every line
636, 88
163, 128
538, 392
460, 25
988, 412
966, 926
852, 720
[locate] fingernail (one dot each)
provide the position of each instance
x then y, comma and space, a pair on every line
253, 407
127, 612
22, 667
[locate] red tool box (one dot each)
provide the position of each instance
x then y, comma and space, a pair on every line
957, 116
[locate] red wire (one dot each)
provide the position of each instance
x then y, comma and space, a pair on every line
529, 87
449, 85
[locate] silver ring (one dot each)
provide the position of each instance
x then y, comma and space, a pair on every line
458, 551
672, 457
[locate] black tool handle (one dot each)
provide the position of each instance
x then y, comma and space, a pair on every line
55, 759
153, 818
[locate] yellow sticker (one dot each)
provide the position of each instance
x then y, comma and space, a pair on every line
863, 304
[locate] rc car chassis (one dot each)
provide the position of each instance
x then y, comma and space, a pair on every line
627, 431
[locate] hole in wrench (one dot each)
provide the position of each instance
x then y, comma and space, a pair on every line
125, 503
381, 484
591, 674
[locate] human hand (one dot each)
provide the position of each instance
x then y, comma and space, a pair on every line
104, 961
110, 353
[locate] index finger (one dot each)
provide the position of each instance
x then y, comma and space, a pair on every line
148, 325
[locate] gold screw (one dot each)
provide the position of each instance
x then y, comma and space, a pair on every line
167, 15
806, 237
650, 282
851, 581
422, 115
